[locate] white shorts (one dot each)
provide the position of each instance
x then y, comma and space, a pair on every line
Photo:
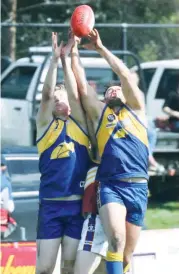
93, 238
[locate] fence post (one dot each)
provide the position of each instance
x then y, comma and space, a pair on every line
124, 39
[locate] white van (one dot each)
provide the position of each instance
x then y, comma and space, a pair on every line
21, 87
22, 82
161, 77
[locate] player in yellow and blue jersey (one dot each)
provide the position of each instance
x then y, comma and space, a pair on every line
121, 135
63, 146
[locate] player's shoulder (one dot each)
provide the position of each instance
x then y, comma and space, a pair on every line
139, 114
43, 127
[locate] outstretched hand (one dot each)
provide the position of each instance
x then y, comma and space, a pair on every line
95, 41
56, 50
67, 48
77, 40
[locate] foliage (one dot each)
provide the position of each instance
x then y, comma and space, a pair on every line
149, 44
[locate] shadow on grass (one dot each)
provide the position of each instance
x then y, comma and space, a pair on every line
172, 205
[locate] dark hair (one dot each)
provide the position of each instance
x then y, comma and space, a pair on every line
110, 84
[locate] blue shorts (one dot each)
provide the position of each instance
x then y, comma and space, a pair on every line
132, 195
59, 218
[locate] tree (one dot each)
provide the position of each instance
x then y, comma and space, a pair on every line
147, 43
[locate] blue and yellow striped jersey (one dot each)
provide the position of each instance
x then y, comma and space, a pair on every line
64, 159
123, 145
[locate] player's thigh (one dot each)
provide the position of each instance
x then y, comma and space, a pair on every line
72, 235
113, 219
69, 251
135, 196
112, 214
86, 262
47, 251
71, 239
69, 248
132, 236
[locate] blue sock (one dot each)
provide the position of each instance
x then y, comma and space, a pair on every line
114, 263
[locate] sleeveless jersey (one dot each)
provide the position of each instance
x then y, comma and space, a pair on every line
64, 159
123, 145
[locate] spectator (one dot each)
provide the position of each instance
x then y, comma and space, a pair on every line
152, 137
171, 107
6, 199
7, 223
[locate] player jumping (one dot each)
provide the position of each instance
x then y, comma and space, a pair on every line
63, 146
121, 136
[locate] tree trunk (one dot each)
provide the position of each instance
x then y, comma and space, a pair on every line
12, 30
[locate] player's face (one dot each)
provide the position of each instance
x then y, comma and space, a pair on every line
61, 103
114, 96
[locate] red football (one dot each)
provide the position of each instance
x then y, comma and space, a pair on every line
82, 20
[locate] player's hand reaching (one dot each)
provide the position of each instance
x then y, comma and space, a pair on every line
67, 48
56, 50
77, 40
95, 41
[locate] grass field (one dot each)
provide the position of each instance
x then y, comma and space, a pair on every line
162, 215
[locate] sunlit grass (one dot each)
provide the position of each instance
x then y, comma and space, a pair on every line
162, 215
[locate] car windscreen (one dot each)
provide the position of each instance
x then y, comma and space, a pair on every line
15, 85
24, 173
97, 77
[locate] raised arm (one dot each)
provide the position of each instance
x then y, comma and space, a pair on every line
70, 83
130, 89
44, 114
88, 95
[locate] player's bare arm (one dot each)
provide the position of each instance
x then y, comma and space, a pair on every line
71, 85
130, 89
89, 99
44, 115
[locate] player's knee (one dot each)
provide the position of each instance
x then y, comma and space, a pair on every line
117, 242
45, 269
68, 267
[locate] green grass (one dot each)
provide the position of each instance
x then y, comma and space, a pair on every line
162, 215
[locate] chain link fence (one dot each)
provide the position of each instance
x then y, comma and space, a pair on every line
148, 41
